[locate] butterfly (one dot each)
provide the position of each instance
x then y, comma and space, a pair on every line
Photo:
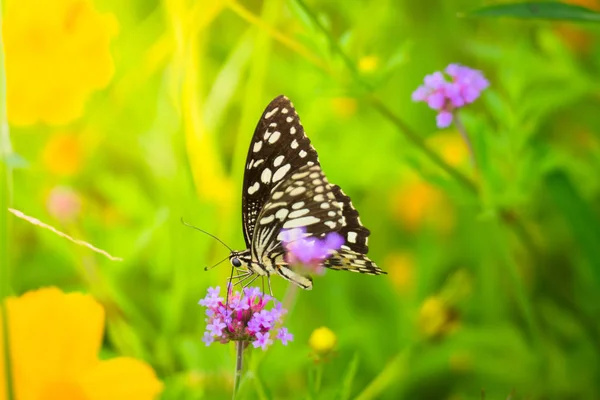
285, 188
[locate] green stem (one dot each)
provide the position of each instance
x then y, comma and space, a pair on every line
5, 203
239, 365
463, 132
420, 143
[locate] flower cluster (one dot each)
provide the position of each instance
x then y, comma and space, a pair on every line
243, 318
309, 251
464, 87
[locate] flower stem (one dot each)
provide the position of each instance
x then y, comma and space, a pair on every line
239, 364
463, 132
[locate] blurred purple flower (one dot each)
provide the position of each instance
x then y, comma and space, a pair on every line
243, 318
284, 336
464, 87
309, 251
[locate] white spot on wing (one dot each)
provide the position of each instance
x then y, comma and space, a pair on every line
267, 220
298, 191
257, 146
280, 173
258, 162
270, 113
252, 189
274, 137
330, 224
299, 213
352, 237
281, 214
304, 221
293, 130
289, 119
294, 144
265, 177
302, 153
277, 162
284, 110
298, 205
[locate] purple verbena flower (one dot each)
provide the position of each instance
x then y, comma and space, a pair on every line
309, 251
243, 318
464, 87
212, 298
284, 336
262, 340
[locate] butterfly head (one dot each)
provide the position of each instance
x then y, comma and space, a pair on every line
240, 259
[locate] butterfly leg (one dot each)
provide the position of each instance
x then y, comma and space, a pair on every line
269, 282
244, 278
250, 281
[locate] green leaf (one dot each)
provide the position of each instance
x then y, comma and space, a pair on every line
584, 224
14, 161
537, 10
346, 388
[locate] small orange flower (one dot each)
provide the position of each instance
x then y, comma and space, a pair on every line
57, 55
417, 203
63, 154
54, 343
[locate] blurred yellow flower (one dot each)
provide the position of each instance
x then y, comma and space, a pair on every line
451, 147
57, 55
344, 106
63, 154
417, 202
401, 270
368, 64
436, 318
54, 343
322, 340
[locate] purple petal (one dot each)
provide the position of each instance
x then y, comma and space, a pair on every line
444, 119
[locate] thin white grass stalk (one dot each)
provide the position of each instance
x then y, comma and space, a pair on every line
39, 223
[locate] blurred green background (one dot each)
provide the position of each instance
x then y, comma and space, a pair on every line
144, 115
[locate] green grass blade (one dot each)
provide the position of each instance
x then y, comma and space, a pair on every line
537, 10
346, 388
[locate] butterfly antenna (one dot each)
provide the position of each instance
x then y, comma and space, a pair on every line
211, 267
203, 231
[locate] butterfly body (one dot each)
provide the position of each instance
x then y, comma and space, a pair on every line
284, 188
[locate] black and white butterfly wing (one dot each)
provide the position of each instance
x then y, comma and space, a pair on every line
352, 255
279, 147
285, 188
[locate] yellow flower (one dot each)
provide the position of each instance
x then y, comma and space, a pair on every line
322, 340
344, 107
451, 147
54, 343
368, 64
57, 55
436, 318
417, 202
401, 270
63, 154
